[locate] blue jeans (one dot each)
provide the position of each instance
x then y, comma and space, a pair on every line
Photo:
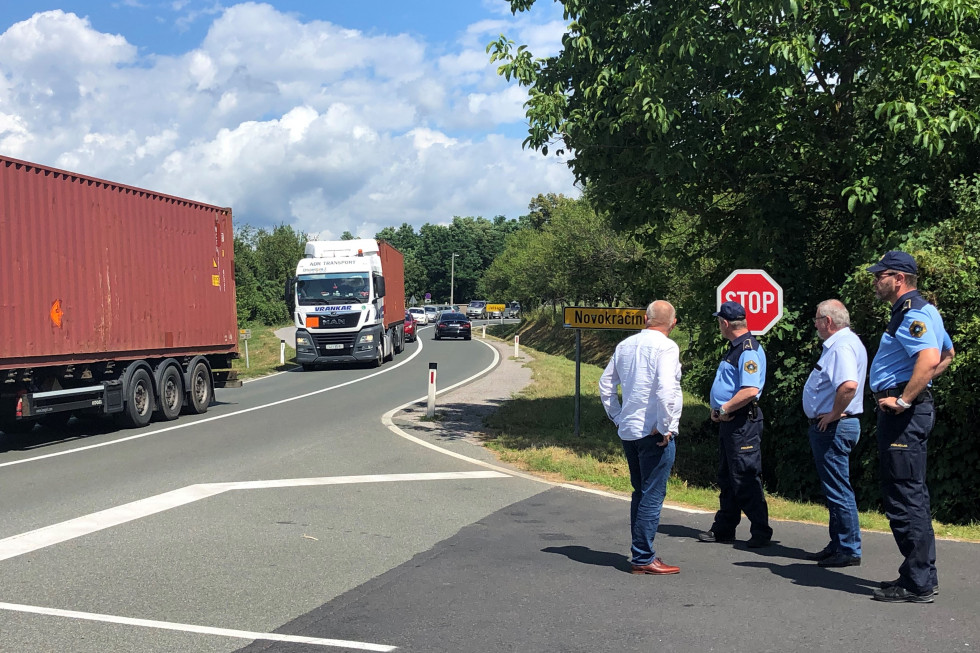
650, 466
831, 453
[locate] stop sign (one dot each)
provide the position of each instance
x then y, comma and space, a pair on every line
756, 291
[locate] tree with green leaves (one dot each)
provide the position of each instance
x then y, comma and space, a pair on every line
793, 129
805, 138
263, 262
574, 257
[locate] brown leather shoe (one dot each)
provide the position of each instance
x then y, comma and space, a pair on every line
656, 567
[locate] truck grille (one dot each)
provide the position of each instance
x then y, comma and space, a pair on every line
346, 340
343, 321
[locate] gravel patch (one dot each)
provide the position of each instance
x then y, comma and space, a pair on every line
461, 412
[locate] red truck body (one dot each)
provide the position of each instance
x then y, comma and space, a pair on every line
393, 265
113, 300
92, 270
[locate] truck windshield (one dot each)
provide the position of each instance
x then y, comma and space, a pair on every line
334, 288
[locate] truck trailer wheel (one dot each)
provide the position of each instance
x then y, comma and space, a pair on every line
171, 394
200, 390
138, 401
391, 342
399, 339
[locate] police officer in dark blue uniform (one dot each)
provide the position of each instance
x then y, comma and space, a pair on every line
914, 349
735, 406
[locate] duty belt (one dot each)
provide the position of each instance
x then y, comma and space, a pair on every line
752, 409
816, 420
897, 390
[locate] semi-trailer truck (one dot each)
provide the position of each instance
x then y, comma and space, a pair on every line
114, 300
349, 298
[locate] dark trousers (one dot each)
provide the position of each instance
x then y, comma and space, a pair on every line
902, 443
740, 477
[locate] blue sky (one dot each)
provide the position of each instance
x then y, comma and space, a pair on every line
329, 116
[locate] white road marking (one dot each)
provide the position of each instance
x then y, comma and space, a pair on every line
185, 425
386, 419
192, 628
18, 545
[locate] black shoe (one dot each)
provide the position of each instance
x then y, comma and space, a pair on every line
885, 584
758, 542
897, 594
710, 536
840, 560
822, 554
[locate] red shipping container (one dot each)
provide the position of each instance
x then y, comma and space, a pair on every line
393, 267
92, 270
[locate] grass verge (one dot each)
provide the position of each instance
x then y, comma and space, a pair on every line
263, 354
535, 431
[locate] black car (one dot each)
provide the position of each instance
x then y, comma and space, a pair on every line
453, 325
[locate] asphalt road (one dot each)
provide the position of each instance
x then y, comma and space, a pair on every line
289, 518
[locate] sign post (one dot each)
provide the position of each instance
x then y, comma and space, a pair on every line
245, 334
759, 295
590, 317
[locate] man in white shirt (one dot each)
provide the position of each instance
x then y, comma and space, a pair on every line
647, 367
832, 400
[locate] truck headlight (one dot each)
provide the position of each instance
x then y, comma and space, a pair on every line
366, 337
302, 340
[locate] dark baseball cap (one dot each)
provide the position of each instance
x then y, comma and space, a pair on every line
730, 311
895, 260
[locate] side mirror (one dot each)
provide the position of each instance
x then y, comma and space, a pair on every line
290, 294
379, 286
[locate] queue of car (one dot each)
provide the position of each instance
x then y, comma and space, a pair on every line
451, 320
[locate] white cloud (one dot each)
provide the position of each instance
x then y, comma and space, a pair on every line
308, 123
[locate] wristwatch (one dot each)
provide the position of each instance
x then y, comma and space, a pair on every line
901, 402
721, 411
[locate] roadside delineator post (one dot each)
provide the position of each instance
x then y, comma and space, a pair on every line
517, 346
282, 352
430, 408
484, 335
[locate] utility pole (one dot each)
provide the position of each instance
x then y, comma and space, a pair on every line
452, 281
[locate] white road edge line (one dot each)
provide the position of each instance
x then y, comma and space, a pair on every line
192, 628
185, 425
386, 419
17, 545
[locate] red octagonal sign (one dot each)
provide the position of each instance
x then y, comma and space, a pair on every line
758, 293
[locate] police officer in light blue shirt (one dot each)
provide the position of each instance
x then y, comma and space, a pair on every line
832, 399
734, 402
914, 349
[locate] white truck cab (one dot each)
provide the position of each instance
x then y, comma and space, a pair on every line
349, 302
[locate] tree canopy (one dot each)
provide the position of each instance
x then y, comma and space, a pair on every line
787, 127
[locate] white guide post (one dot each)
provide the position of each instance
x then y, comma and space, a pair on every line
430, 408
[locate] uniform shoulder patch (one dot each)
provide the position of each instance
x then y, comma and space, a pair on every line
747, 345
917, 329
750, 367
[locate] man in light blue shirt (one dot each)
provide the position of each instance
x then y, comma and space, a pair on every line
647, 367
832, 400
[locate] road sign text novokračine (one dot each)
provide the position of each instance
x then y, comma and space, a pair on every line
587, 317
